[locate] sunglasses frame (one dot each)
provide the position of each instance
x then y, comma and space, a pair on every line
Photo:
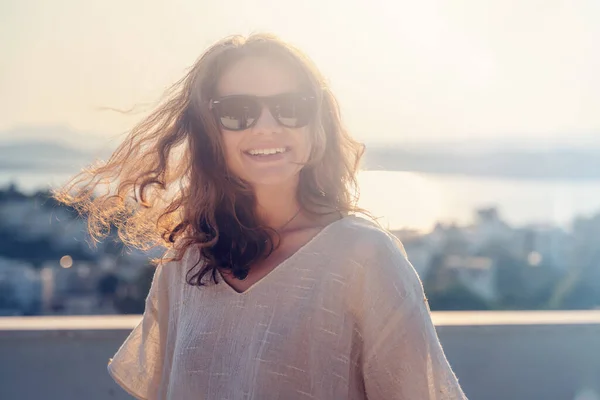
263, 101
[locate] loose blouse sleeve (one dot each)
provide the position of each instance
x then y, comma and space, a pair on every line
402, 356
137, 365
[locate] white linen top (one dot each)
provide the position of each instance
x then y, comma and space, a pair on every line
345, 317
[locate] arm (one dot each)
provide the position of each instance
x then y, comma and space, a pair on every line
137, 365
402, 356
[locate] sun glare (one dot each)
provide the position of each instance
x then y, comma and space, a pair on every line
414, 200
66, 261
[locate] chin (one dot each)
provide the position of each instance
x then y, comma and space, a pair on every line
272, 179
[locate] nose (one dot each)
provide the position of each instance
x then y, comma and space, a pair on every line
267, 123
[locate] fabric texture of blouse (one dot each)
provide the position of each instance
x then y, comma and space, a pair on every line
345, 317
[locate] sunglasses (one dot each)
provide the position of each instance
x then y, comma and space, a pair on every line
240, 112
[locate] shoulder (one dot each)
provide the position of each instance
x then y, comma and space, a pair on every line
378, 256
381, 276
172, 267
365, 239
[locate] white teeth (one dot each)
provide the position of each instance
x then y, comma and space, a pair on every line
266, 152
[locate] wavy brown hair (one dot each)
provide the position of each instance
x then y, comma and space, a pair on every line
167, 183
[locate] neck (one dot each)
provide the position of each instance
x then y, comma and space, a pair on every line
276, 204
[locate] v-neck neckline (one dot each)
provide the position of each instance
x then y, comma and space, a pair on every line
279, 266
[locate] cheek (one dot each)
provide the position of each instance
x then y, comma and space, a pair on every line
303, 143
231, 148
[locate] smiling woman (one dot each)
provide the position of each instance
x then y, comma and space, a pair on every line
248, 175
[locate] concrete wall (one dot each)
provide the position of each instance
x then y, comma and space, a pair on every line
497, 356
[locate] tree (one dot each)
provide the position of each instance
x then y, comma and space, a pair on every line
7, 296
108, 284
134, 301
457, 297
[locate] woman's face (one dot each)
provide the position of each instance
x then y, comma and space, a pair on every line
266, 153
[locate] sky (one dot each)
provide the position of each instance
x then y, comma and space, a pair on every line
404, 71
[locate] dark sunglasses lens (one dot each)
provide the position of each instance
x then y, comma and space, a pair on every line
238, 113
293, 111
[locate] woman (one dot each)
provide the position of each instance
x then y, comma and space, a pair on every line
273, 287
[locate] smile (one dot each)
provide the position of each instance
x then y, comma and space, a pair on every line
267, 152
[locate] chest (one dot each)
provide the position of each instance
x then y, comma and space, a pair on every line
290, 245
294, 299
301, 324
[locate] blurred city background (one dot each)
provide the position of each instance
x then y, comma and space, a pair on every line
482, 126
